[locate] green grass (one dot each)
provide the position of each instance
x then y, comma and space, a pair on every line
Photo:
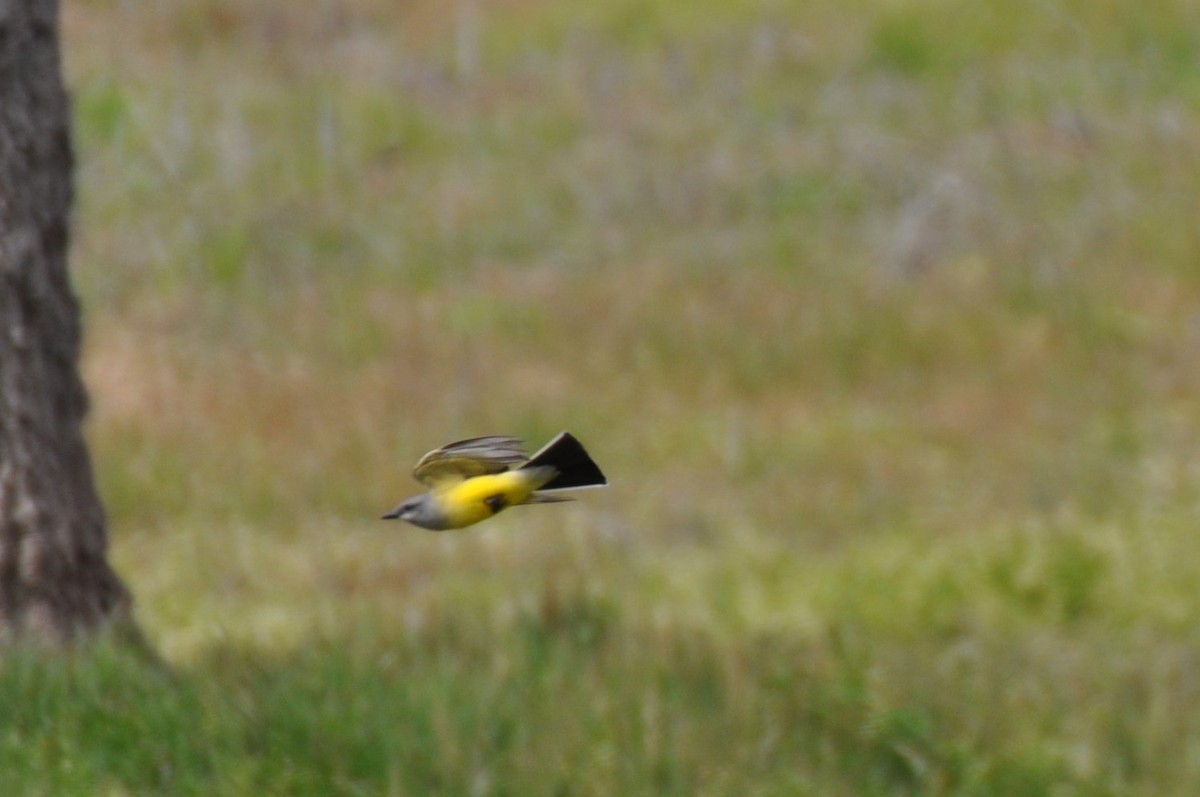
880, 317
1017, 665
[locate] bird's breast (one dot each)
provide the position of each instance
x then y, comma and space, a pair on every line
480, 497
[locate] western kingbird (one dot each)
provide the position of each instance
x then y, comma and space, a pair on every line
471, 480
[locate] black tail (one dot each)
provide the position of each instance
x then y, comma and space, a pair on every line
575, 468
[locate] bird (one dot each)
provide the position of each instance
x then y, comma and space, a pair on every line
475, 479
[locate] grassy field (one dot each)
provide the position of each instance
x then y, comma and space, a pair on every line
883, 318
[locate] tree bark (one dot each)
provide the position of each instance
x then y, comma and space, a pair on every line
55, 582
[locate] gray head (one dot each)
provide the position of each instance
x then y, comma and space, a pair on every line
419, 511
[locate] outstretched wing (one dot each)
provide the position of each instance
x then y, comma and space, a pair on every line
477, 456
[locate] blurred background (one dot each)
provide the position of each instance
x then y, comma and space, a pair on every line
882, 316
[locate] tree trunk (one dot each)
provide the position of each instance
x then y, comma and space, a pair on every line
55, 583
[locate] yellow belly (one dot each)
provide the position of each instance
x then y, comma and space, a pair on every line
480, 497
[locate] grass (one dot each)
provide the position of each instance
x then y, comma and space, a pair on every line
880, 316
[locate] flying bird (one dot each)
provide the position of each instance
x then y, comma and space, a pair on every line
472, 480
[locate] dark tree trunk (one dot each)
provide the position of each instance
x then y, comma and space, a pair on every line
55, 583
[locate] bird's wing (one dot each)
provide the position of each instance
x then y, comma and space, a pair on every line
477, 456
